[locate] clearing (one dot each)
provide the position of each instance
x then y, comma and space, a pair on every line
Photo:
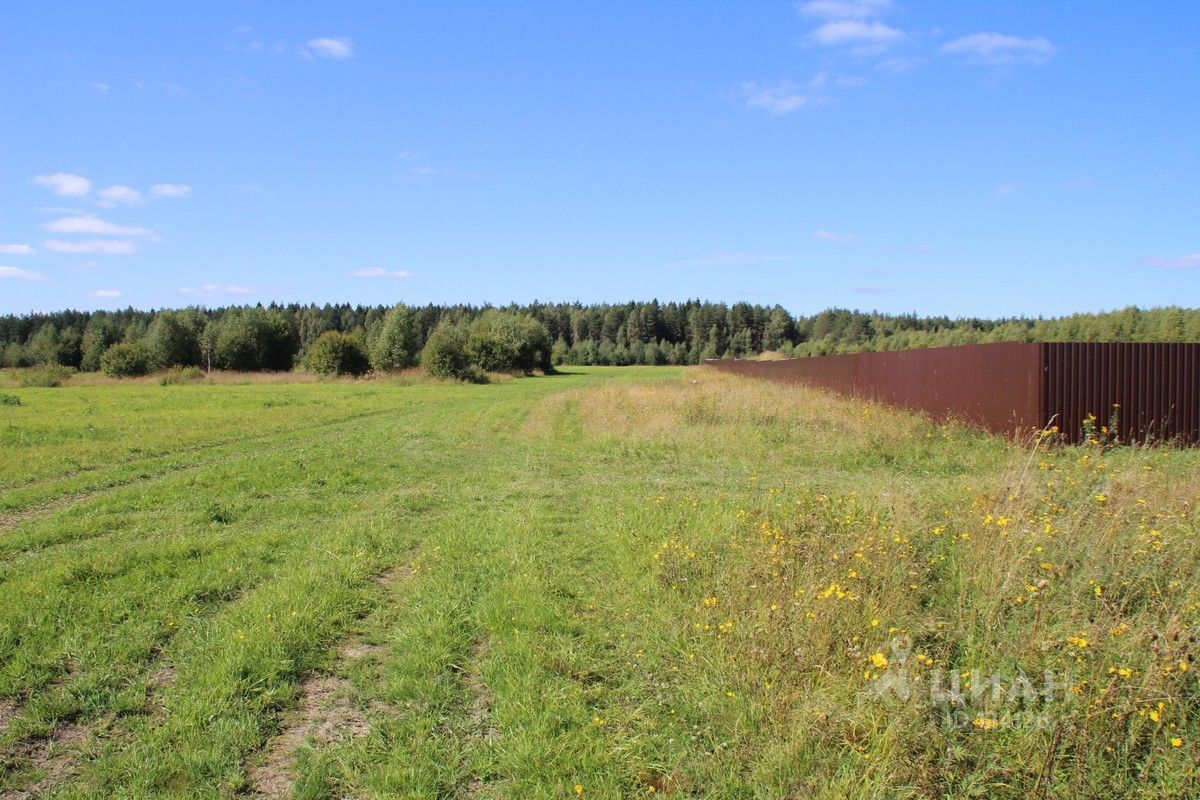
612, 582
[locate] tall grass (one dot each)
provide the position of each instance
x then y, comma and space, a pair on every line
610, 583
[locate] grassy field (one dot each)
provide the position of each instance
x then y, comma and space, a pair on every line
608, 583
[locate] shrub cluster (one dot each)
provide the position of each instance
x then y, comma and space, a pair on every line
276, 337
47, 376
497, 341
445, 353
396, 343
126, 360
336, 353
181, 375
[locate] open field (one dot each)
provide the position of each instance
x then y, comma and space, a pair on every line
613, 582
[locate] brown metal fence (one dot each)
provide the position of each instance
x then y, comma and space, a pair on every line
1141, 391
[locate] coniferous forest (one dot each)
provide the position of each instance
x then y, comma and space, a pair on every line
282, 337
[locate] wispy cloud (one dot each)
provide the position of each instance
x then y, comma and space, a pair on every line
822, 79
109, 247
1006, 189
65, 184
88, 224
998, 48
844, 9
21, 274
380, 272
864, 35
15, 249
118, 194
170, 190
213, 290
780, 98
898, 65
338, 48
835, 238
417, 165
108, 294
1191, 261
99, 86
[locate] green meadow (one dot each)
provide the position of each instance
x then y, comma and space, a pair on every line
607, 583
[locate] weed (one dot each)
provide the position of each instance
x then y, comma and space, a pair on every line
181, 375
596, 584
45, 376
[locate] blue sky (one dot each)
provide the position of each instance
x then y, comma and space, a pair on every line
989, 158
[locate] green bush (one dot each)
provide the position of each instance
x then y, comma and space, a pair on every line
174, 339
398, 342
445, 353
181, 375
126, 360
253, 339
9, 399
101, 333
49, 345
46, 375
500, 341
336, 353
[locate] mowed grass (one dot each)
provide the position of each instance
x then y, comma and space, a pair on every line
609, 583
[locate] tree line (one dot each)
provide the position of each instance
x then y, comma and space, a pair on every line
463, 340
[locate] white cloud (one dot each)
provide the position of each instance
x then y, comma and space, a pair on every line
778, 99
338, 48
107, 293
1006, 189
845, 9
997, 48
897, 66
170, 190
99, 86
120, 194
109, 247
93, 225
856, 32
21, 274
217, 290
65, 184
825, 79
836, 238
15, 249
380, 272
1190, 261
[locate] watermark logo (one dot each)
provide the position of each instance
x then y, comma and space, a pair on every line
972, 697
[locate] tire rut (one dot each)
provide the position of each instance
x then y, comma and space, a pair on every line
479, 731
54, 758
325, 714
10, 519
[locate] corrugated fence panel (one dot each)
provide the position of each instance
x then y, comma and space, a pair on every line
996, 386
1143, 391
